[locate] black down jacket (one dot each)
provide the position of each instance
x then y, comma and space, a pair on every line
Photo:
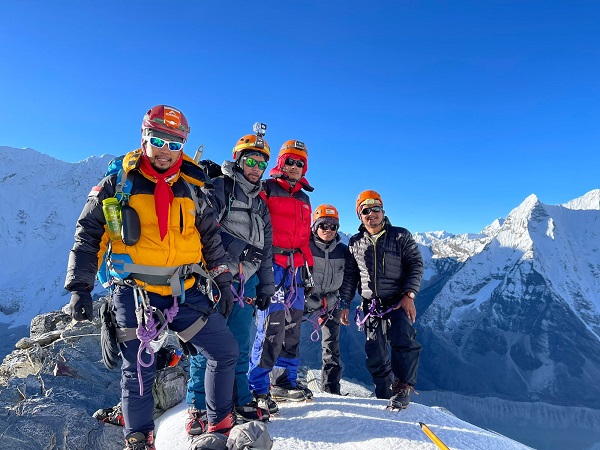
382, 267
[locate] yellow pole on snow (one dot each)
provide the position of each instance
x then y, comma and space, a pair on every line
431, 435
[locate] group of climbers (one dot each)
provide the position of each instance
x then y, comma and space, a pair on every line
206, 255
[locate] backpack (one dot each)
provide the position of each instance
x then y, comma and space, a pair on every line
209, 441
252, 435
169, 389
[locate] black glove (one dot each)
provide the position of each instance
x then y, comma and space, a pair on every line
309, 286
262, 302
226, 300
251, 254
211, 168
80, 306
308, 281
108, 337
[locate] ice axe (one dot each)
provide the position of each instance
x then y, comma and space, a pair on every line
431, 435
199, 152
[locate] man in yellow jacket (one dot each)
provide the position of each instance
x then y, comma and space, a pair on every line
167, 269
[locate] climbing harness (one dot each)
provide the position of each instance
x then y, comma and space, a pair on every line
374, 307
319, 318
239, 295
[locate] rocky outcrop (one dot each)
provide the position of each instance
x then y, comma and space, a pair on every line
52, 384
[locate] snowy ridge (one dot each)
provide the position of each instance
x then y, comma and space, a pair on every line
351, 422
591, 200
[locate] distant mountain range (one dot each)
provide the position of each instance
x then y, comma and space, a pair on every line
515, 310
512, 312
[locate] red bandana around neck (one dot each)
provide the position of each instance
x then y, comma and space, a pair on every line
163, 194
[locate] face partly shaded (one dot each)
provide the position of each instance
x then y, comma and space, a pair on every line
254, 166
293, 168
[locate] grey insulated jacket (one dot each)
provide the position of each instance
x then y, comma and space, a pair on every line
246, 229
384, 267
328, 271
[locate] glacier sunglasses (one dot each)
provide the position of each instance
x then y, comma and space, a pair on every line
160, 143
367, 211
251, 162
327, 227
291, 161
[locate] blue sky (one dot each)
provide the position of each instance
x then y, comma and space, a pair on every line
455, 111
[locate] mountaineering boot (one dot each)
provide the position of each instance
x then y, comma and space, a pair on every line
224, 426
265, 401
140, 441
113, 415
331, 389
197, 421
251, 411
401, 395
287, 394
308, 394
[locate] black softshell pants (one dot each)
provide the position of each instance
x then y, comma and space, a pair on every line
215, 342
331, 371
394, 331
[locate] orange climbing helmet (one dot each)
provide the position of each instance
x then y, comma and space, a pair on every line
368, 197
252, 143
325, 211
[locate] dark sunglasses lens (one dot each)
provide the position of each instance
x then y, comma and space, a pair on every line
298, 162
326, 227
367, 211
157, 142
175, 146
262, 165
250, 162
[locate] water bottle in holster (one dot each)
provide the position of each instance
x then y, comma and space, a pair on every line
112, 214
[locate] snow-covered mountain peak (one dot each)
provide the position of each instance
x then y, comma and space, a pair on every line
429, 237
41, 198
591, 200
493, 227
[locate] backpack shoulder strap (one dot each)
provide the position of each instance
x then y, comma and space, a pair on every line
228, 187
124, 180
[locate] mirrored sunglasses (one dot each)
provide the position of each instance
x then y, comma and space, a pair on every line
160, 143
367, 211
327, 226
251, 162
291, 161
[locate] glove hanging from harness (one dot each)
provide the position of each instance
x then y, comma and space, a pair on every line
108, 336
225, 299
307, 280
